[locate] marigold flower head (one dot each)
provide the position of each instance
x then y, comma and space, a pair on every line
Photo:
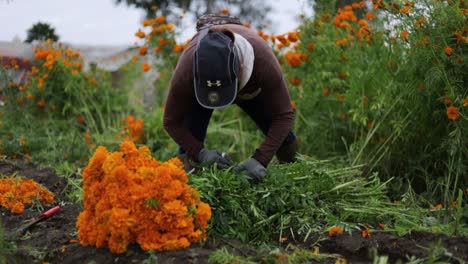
326, 92
335, 230
293, 36
465, 102
142, 50
452, 113
293, 105
370, 16
295, 59
160, 19
294, 80
41, 103
447, 100
365, 232
140, 34
448, 50
145, 67
224, 11
404, 34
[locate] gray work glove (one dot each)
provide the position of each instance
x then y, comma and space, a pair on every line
255, 171
210, 157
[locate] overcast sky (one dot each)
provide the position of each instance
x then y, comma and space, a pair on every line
101, 22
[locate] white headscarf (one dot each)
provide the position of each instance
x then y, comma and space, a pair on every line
246, 58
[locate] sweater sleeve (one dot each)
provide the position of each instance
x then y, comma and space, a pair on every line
278, 102
178, 103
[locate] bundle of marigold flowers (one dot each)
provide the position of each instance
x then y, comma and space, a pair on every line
16, 192
131, 197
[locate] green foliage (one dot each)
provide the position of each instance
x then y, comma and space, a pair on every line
41, 32
382, 98
6, 247
320, 194
60, 111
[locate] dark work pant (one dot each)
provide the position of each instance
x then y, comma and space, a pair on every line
198, 119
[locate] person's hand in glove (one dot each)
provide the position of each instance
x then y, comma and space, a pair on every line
211, 157
255, 171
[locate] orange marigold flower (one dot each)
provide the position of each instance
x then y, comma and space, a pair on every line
404, 34
370, 16
18, 208
160, 19
459, 36
41, 103
447, 100
178, 48
162, 42
366, 232
282, 39
145, 67
405, 10
293, 36
452, 113
310, 46
326, 92
294, 80
81, 119
448, 50
293, 105
363, 23
295, 59
382, 226
224, 11
341, 42
140, 34
465, 102
148, 22
142, 50
340, 97
335, 230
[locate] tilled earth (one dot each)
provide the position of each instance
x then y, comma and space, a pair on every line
54, 240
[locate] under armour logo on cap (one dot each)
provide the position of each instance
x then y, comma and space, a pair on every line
209, 83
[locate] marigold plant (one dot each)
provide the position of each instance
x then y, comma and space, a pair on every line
131, 197
16, 192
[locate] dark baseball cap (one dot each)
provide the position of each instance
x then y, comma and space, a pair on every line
215, 69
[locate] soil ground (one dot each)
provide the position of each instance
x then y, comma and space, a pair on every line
55, 239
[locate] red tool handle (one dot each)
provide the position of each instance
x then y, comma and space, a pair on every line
50, 212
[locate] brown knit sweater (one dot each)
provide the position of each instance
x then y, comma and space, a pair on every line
266, 75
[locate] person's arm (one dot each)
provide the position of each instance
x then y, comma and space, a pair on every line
178, 103
278, 102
